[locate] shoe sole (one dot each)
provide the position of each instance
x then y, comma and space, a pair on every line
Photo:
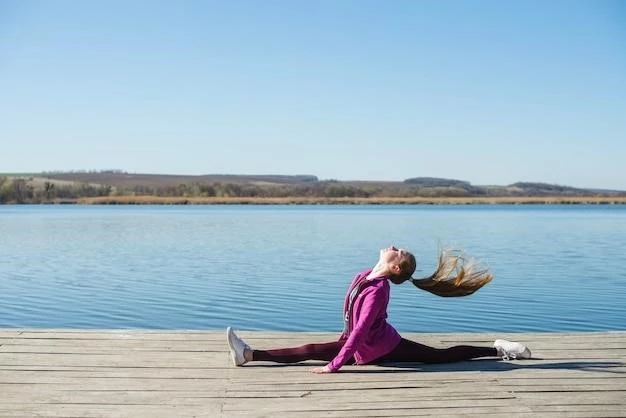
231, 348
521, 356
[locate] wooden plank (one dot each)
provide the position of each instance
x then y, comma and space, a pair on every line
211, 389
469, 410
111, 410
8, 336
155, 378
53, 346
187, 373
9, 333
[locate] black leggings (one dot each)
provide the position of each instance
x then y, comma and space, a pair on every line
407, 351
410, 351
323, 351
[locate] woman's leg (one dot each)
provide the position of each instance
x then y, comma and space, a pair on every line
410, 351
324, 351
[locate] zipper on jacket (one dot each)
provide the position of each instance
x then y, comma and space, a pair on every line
348, 314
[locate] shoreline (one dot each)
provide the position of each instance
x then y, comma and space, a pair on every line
294, 200
330, 201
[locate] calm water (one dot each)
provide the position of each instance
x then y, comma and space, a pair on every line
556, 268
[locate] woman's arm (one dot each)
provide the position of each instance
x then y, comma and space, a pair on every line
374, 298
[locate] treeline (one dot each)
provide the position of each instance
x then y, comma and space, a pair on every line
319, 189
41, 190
24, 189
35, 190
27, 190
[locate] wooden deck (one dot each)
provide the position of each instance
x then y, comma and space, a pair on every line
178, 373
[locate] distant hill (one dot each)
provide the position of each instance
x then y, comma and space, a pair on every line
538, 189
121, 178
437, 182
438, 186
545, 189
68, 186
516, 189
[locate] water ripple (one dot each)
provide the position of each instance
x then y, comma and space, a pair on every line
287, 268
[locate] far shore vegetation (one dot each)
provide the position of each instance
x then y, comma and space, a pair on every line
119, 187
156, 200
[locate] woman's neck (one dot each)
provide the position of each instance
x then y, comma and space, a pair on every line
379, 270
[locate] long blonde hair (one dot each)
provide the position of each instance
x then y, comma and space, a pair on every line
456, 275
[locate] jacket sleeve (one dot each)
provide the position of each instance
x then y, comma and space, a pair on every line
373, 300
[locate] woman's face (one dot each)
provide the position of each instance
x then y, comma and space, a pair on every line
393, 258
391, 255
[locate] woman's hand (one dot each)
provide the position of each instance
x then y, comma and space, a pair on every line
320, 370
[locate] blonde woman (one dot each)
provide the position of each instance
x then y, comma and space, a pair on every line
368, 338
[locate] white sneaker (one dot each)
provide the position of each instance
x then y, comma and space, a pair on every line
237, 347
510, 350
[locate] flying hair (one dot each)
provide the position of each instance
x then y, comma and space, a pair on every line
456, 275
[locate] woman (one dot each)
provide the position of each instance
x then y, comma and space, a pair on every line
368, 338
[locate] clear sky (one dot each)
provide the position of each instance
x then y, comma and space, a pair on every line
490, 92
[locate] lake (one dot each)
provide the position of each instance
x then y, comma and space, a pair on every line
556, 268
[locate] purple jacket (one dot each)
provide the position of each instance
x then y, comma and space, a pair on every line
369, 335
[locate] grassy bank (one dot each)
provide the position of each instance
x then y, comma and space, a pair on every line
157, 200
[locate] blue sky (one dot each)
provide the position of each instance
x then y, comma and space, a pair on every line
491, 92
